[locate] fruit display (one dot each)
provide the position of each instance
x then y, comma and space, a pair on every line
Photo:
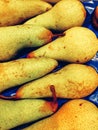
48, 65
71, 116
16, 12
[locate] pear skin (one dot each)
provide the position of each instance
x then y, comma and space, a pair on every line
62, 16
18, 112
22, 70
79, 45
76, 114
51, 1
72, 81
15, 38
18, 11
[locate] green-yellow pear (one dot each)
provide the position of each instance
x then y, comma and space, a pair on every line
63, 15
20, 71
79, 45
72, 81
51, 1
14, 12
76, 114
15, 38
18, 112
97, 46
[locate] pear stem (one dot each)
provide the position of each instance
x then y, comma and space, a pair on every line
58, 35
8, 97
54, 103
52, 88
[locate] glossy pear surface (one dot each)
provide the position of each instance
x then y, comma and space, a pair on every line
76, 114
18, 112
78, 45
17, 72
62, 16
72, 81
14, 39
18, 11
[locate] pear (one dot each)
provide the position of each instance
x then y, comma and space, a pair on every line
16, 12
62, 16
77, 114
17, 112
78, 45
15, 38
51, 1
71, 81
22, 70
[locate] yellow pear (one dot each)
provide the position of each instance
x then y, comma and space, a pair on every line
15, 38
14, 12
20, 71
63, 15
51, 1
18, 112
76, 114
72, 81
78, 45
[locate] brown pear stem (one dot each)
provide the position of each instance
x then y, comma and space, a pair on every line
95, 18
54, 103
52, 88
8, 97
58, 35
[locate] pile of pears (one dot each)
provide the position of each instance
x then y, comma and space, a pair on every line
36, 37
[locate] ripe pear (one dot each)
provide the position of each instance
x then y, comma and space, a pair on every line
15, 38
14, 12
77, 114
72, 81
62, 16
17, 112
22, 70
78, 45
51, 1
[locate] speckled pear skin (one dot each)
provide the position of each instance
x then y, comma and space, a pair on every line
18, 112
50, 1
63, 15
71, 81
79, 45
76, 114
20, 71
15, 38
18, 11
